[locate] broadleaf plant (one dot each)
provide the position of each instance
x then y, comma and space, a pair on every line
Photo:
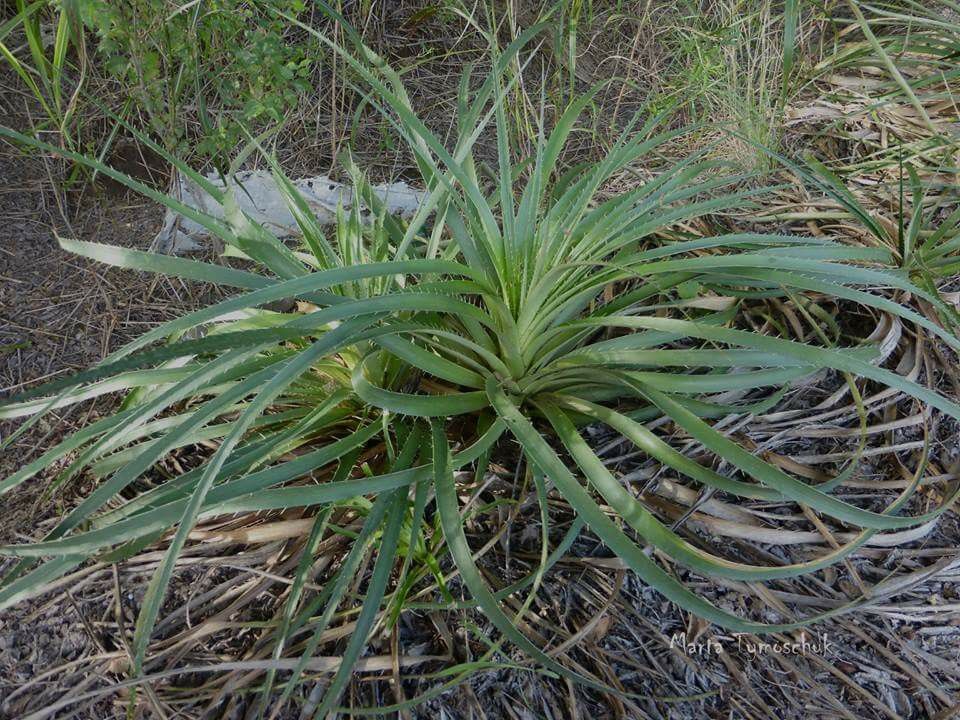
493, 326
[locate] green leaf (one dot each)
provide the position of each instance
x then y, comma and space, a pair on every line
460, 551
539, 452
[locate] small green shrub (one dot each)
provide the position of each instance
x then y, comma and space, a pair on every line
224, 64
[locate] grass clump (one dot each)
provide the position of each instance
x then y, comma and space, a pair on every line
734, 65
42, 66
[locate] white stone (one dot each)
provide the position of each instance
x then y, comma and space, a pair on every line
259, 197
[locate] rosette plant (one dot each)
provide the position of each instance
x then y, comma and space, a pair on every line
493, 326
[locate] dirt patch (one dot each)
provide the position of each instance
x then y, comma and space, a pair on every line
60, 312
